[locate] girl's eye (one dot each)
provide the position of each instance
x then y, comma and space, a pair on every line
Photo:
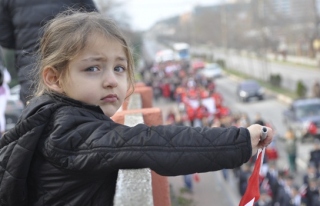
120, 69
92, 69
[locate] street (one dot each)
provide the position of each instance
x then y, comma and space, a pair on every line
212, 188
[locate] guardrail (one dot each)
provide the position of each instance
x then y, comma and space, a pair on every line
140, 186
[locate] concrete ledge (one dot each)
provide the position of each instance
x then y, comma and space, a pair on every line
146, 95
134, 188
137, 187
151, 116
135, 102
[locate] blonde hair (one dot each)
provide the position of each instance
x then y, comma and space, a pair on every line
66, 35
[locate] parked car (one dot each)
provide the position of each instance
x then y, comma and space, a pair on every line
211, 71
303, 116
249, 89
14, 107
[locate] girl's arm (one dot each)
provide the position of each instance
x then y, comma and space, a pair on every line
100, 146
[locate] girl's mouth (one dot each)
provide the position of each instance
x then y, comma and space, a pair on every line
110, 98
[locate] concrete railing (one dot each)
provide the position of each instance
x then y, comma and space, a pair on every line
140, 186
134, 187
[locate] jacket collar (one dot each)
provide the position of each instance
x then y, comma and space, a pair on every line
67, 100
55, 99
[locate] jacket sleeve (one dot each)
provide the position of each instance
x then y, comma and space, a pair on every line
7, 39
101, 146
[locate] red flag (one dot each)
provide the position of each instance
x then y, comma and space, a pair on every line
252, 193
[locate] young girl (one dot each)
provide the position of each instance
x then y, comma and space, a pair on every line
65, 149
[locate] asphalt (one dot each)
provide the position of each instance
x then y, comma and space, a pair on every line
301, 160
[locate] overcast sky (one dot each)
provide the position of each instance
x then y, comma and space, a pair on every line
144, 13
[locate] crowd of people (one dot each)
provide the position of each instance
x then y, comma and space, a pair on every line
279, 185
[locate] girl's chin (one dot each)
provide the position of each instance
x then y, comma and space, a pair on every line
110, 110
110, 114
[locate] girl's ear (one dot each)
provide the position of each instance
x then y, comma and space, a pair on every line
51, 78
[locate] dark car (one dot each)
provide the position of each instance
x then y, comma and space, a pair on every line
303, 116
249, 89
14, 107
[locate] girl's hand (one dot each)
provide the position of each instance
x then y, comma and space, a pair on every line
255, 135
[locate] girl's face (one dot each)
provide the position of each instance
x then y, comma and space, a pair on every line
98, 75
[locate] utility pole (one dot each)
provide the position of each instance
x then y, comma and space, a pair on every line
315, 39
224, 30
264, 32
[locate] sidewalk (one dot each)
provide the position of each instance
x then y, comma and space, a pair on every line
211, 190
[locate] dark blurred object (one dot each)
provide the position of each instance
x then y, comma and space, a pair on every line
21, 25
303, 116
316, 89
14, 107
249, 89
259, 120
315, 155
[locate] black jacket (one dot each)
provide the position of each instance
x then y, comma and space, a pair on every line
20, 29
63, 152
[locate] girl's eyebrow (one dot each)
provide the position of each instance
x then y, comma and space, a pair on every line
104, 59
122, 59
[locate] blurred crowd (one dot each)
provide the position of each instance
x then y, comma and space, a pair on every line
197, 103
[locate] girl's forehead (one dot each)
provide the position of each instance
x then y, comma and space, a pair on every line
94, 38
99, 38
98, 46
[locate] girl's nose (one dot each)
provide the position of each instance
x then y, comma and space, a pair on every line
110, 79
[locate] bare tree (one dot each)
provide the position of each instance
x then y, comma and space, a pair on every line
315, 35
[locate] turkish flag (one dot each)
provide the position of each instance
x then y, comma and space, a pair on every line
252, 193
